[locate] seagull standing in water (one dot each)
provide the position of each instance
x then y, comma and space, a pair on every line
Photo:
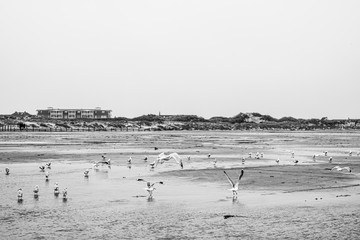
234, 186
150, 186
153, 164
47, 176
20, 194
86, 173
214, 162
56, 189
64, 193
36, 191
7, 171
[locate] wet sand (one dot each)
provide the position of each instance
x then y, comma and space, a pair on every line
275, 201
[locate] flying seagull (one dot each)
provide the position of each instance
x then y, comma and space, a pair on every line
234, 186
150, 186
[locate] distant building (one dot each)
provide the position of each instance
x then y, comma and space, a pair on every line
57, 113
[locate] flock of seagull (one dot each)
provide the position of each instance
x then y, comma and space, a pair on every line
162, 158
37, 188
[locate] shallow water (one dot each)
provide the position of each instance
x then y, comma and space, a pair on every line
111, 204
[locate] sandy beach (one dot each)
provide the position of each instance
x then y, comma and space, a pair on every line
285, 200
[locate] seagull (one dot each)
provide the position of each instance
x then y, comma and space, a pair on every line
104, 162
56, 189
86, 173
209, 155
48, 165
181, 164
235, 186
7, 171
153, 164
292, 154
296, 161
36, 191
146, 158
277, 160
47, 176
350, 153
103, 157
129, 160
150, 186
243, 160
188, 158
162, 157
64, 193
325, 153
20, 194
262, 155
250, 155
42, 168
330, 159
214, 162
338, 168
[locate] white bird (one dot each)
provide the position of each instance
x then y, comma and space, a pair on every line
262, 155
234, 186
277, 160
338, 168
56, 189
48, 165
150, 186
250, 155
243, 160
214, 162
20, 194
47, 176
129, 160
330, 159
146, 158
325, 153
296, 161
7, 171
292, 154
162, 157
64, 193
42, 168
153, 164
350, 153
36, 191
86, 173
104, 162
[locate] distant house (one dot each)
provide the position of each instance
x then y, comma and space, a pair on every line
56, 113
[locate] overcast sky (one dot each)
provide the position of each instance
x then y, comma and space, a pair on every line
209, 58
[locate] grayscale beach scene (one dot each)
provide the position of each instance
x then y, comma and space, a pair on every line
165, 119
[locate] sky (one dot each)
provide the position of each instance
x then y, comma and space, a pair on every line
202, 57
